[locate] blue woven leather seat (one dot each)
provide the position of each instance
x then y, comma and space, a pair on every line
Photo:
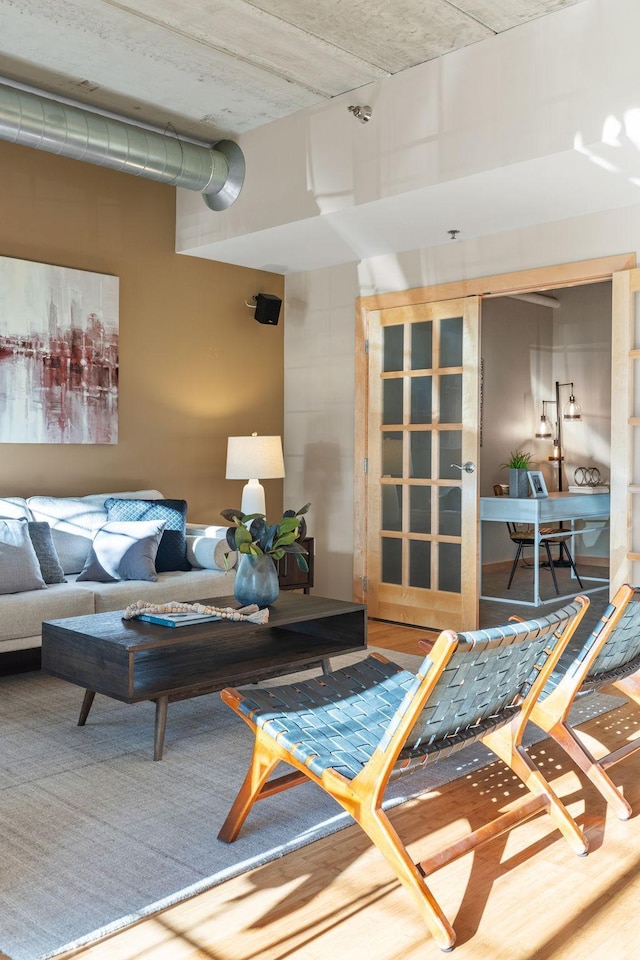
350, 730
610, 656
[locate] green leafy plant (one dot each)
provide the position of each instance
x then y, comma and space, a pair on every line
520, 460
252, 534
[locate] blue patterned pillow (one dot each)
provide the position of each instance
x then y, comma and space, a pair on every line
172, 552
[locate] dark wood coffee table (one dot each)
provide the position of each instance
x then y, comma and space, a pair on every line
131, 661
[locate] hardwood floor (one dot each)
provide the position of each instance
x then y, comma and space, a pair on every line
522, 897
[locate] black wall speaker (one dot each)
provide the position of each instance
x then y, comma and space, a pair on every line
267, 308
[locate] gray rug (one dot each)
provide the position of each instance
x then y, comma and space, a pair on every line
95, 835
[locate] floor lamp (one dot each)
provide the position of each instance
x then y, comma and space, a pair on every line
571, 413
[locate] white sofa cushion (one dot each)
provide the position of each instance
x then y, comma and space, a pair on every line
23, 613
172, 585
75, 520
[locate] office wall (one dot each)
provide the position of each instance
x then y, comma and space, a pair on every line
526, 348
195, 367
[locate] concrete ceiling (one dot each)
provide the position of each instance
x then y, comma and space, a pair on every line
210, 69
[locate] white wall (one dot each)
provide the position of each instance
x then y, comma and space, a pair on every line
539, 123
319, 417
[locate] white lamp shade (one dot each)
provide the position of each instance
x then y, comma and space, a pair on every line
254, 457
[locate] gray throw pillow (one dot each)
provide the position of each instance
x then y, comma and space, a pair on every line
123, 551
40, 533
19, 567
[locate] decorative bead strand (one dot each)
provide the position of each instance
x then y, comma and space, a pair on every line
251, 613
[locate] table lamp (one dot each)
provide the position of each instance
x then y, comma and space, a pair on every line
253, 459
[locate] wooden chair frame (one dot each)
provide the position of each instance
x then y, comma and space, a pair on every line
593, 667
362, 795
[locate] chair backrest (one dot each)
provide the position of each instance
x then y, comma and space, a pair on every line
488, 676
514, 529
620, 654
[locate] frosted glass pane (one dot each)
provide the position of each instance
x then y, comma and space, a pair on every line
420, 564
391, 454
450, 511
421, 402
450, 452
392, 348
391, 560
451, 398
420, 466
451, 342
392, 401
391, 507
449, 573
421, 345
420, 510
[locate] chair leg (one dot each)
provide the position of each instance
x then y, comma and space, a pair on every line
551, 566
262, 765
382, 834
565, 549
518, 760
515, 564
566, 737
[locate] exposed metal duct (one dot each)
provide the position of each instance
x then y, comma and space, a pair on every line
35, 121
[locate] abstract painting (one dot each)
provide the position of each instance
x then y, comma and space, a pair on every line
58, 354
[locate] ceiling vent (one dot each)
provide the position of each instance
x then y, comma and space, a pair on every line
35, 121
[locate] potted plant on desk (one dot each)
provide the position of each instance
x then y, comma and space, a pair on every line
518, 465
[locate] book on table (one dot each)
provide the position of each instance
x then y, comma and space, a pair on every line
177, 619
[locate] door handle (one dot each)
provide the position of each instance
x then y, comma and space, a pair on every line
468, 467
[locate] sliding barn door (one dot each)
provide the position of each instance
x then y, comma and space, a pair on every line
422, 453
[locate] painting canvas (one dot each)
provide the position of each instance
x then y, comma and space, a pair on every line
58, 354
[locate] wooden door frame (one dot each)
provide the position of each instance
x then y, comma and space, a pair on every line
572, 274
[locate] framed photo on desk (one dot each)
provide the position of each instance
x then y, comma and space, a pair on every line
537, 484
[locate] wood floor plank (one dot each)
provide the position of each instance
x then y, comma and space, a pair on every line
523, 897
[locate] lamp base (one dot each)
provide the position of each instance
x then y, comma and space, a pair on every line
253, 500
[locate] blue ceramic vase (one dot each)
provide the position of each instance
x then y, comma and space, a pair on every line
256, 580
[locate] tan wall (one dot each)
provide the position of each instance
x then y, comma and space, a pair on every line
195, 367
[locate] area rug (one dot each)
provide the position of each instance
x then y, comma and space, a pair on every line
95, 835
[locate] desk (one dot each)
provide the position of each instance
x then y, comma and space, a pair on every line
537, 512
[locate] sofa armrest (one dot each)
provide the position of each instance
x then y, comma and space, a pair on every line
210, 553
205, 530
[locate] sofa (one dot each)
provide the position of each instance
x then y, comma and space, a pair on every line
70, 576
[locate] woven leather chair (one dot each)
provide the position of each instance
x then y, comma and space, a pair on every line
523, 535
350, 730
610, 656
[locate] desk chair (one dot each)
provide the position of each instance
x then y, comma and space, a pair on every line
349, 731
523, 535
610, 656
